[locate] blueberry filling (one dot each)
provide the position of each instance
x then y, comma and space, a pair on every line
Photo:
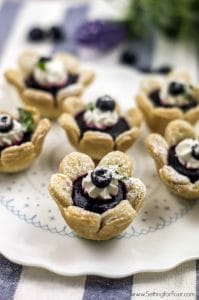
26, 138
155, 99
53, 89
105, 103
81, 199
6, 123
101, 178
114, 130
173, 161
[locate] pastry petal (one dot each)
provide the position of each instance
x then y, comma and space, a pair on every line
120, 159
39, 135
157, 148
71, 128
76, 164
115, 220
178, 130
136, 192
126, 139
96, 144
73, 105
60, 188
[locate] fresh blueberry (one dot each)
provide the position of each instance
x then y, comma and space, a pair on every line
176, 88
101, 177
195, 151
105, 103
36, 34
128, 57
6, 123
44, 59
56, 33
164, 69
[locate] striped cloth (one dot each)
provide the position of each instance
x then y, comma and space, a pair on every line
22, 283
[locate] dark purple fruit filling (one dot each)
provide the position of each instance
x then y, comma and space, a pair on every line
114, 130
173, 161
26, 138
81, 199
53, 89
155, 98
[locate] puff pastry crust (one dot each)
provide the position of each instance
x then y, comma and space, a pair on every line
45, 101
95, 143
17, 158
88, 224
158, 146
157, 118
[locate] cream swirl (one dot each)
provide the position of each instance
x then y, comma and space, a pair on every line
174, 100
13, 136
54, 73
100, 119
102, 193
184, 152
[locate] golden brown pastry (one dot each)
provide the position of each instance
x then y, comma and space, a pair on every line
99, 127
21, 139
97, 203
177, 158
162, 100
45, 82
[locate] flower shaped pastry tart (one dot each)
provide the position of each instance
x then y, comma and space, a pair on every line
99, 127
177, 158
45, 82
97, 203
21, 139
162, 100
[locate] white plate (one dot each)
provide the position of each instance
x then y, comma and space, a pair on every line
164, 234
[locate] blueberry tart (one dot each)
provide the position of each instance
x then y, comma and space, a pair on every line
99, 127
162, 100
21, 139
177, 158
100, 202
46, 82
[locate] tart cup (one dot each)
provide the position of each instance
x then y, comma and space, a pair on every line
95, 143
87, 224
157, 118
17, 158
158, 146
44, 101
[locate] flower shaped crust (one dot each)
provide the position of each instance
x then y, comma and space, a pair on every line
95, 143
157, 118
88, 224
158, 147
19, 157
44, 101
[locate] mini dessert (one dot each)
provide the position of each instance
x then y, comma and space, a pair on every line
164, 100
46, 82
21, 139
97, 203
98, 127
177, 158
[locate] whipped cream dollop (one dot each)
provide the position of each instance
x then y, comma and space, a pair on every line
13, 136
100, 119
53, 72
175, 100
184, 151
104, 193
